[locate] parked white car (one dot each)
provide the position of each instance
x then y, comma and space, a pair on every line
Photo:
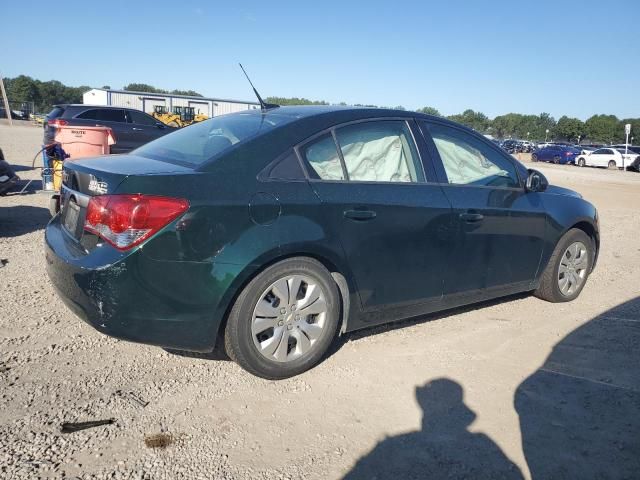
606, 157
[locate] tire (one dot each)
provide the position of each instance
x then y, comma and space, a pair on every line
556, 160
534, 157
612, 164
243, 339
550, 282
173, 125
581, 162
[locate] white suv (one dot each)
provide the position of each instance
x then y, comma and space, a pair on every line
607, 157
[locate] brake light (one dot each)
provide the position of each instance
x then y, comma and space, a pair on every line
568, 154
58, 122
126, 220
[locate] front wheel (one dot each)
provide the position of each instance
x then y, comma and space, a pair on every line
534, 158
284, 320
568, 269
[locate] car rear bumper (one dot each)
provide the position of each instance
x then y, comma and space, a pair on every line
135, 298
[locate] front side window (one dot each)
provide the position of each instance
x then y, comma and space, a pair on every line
381, 151
141, 118
468, 160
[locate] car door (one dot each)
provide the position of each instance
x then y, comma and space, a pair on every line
602, 157
144, 128
545, 154
500, 235
393, 225
115, 119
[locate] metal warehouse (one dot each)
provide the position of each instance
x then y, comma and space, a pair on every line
146, 101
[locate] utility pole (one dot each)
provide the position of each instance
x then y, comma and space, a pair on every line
6, 101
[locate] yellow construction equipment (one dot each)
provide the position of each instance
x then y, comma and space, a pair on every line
181, 116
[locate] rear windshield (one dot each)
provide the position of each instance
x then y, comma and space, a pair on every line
200, 142
55, 113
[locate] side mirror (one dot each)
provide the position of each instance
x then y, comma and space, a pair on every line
160, 125
536, 181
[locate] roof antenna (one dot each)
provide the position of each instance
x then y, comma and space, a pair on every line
263, 105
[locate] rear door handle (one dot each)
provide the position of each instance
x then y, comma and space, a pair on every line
136, 129
360, 215
471, 217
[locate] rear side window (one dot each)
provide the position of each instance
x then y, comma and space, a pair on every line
104, 114
322, 157
140, 118
468, 160
55, 113
379, 152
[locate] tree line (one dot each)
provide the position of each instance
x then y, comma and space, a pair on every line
598, 128
46, 94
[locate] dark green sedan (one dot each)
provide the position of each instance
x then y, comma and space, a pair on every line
280, 229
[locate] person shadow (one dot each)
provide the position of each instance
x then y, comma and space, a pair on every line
443, 449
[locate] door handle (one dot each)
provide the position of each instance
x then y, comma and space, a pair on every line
360, 215
471, 217
136, 129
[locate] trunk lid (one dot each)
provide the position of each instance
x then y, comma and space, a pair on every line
102, 175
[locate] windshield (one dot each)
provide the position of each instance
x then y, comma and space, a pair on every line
200, 142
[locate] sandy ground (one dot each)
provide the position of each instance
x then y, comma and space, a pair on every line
517, 388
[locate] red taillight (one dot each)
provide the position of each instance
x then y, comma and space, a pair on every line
568, 154
126, 220
58, 122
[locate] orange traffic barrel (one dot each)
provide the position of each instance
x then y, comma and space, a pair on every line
81, 142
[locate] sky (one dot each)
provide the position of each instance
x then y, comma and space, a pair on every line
565, 57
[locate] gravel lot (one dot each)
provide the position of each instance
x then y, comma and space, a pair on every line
508, 389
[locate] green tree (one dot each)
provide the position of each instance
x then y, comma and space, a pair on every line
604, 128
189, 93
294, 101
429, 111
570, 128
22, 89
476, 120
399, 107
143, 87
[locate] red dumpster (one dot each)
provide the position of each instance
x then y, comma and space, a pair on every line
80, 142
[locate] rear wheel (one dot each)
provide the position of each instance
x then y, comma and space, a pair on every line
556, 159
173, 124
581, 162
569, 266
612, 164
284, 320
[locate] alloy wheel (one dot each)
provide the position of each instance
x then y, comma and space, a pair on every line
289, 318
573, 268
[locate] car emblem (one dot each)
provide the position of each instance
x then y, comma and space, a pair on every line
98, 187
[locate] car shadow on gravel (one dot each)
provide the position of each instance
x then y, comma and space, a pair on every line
580, 411
22, 219
409, 322
218, 353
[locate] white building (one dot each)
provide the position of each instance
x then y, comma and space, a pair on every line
146, 101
